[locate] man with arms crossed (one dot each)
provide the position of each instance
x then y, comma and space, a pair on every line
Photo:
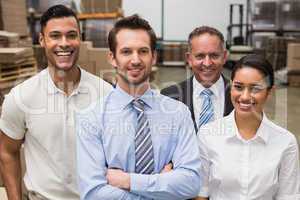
207, 93
125, 143
39, 113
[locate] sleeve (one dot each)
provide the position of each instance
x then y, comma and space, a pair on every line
92, 165
183, 182
205, 164
289, 173
12, 121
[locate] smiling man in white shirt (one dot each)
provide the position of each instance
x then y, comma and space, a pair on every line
39, 114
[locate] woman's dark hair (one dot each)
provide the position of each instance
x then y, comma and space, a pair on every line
257, 62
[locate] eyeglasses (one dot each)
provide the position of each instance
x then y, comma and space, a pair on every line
254, 89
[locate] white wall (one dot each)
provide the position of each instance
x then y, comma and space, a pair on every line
182, 16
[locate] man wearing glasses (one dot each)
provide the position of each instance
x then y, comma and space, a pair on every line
207, 93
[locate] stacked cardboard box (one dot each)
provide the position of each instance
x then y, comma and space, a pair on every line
40, 6
293, 64
9, 39
13, 16
290, 14
96, 30
101, 6
94, 60
41, 59
16, 63
173, 53
25, 41
276, 51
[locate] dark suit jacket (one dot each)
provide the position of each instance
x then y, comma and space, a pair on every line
184, 92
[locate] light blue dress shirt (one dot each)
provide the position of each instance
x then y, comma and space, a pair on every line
106, 140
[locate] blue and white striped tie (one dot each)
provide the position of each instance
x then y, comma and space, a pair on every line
207, 111
144, 158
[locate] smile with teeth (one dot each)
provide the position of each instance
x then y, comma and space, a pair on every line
63, 53
207, 70
246, 105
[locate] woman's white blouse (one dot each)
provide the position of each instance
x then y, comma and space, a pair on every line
263, 168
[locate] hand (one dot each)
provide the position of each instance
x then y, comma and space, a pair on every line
167, 168
118, 178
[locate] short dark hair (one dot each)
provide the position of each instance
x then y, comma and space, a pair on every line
257, 62
56, 11
133, 22
203, 30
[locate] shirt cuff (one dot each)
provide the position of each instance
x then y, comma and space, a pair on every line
139, 182
203, 192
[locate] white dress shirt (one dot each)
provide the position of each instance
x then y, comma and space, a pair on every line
39, 111
265, 167
218, 98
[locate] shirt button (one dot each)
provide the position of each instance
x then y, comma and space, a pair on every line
69, 179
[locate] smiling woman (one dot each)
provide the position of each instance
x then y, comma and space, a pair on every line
245, 155
252, 82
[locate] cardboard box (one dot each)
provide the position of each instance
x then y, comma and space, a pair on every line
293, 56
294, 80
15, 55
40, 57
13, 16
83, 54
94, 60
100, 6
98, 59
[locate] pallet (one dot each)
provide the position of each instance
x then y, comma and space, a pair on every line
14, 72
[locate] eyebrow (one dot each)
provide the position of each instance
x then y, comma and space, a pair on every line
251, 84
57, 31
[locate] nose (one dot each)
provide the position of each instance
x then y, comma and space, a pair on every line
207, 61
246, 94
64, 41
135, 60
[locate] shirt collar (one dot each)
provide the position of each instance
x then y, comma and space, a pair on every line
261, 134
217, 88
82, 87
126, 99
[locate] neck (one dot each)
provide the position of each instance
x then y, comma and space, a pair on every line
135, 90
248, 126
206, 84
66, 81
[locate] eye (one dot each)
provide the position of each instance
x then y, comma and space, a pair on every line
144, 51
238, 87
257, 88
72, 35
214, 56
55, 36
126, 51
200, 56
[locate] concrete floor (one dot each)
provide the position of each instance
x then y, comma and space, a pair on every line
283, 107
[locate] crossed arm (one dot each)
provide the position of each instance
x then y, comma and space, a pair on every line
120, 179
98, 181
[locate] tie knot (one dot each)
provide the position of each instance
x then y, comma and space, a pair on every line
206, 93
138, 105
